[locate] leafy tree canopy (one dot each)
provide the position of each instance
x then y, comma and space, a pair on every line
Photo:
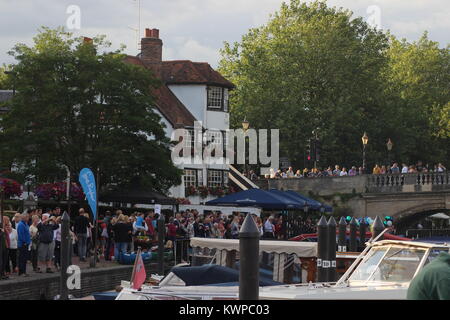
312, 66
6, 80
78, 107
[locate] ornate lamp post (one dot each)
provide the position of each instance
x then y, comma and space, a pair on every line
365, 141
389, 146
245, 126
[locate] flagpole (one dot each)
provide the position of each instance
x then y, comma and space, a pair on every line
96, 218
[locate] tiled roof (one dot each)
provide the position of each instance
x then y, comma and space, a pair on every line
172, 108
167, 102
188, 72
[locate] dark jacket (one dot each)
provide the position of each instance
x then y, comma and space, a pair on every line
81, 224
122, 232
433, 281
46, 232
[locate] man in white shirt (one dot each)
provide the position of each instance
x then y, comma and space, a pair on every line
404, 168
269, 228
290, 172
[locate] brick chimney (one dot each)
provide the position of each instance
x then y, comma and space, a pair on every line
151, 49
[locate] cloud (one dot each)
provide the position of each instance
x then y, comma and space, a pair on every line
196, 29
192, 50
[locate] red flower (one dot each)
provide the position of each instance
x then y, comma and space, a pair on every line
10, 187
57, 191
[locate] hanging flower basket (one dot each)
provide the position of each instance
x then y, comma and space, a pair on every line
230, 190
191, 191
218, 191
10, 188
183, 201
57, 191
203, 191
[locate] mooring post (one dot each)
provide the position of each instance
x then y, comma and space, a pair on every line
322, 243
161, 235
249, 260
353, 245
331, 250
362, 234
377, 227
342, 242
65, 239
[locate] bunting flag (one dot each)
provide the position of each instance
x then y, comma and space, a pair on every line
139, 274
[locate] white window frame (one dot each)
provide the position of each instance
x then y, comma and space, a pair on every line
193, 181
216, 180
215, 98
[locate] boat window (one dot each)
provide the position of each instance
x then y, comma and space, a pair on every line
398, 265
434, 253
271, 266
172, 280
368, 265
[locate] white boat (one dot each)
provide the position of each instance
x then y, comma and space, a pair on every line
383, 270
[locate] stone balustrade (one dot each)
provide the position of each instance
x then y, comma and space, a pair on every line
382, 183
411, 182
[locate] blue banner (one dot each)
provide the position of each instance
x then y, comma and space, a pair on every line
87, 180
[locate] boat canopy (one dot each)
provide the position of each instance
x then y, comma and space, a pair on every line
211, 274
301, 249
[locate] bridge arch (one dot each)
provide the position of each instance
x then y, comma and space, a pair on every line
408, 218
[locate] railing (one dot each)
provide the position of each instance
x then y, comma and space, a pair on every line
412, 179
427, 233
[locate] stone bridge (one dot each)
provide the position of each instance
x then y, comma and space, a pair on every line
397, 195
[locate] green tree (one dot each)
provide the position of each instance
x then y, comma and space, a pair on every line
417, 78
4, 83
312, 66
79, 107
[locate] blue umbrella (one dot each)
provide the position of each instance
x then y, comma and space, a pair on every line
313, 204
256, 198
289, 196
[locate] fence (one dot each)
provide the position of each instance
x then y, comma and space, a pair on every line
427, 233
411, 182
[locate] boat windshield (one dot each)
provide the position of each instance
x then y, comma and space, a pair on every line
389, 264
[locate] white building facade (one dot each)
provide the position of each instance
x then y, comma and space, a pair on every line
192, 92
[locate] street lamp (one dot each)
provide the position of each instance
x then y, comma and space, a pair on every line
365, 141
389, 146
245, 126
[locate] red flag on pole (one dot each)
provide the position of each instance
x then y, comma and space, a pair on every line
139, 274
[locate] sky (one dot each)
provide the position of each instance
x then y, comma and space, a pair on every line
196, 29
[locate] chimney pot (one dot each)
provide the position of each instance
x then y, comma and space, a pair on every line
151, 49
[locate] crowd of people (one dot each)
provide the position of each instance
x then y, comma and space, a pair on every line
32, 240
33, 237
339, 171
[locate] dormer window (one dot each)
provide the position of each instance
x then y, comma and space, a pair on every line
217, 99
